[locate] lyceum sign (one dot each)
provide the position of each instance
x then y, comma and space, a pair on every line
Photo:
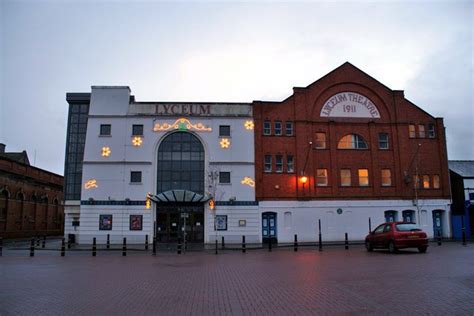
349, 104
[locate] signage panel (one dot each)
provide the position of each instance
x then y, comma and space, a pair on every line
349, 104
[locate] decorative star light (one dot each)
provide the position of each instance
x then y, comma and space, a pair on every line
248, 181
249, 125
225, 143
91, 184
137, 141
106, 151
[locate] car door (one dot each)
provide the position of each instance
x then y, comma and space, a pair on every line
376, 235
386, 236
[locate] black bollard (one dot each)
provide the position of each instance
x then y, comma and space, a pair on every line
108, 241
270, 244
223, 243
320, 245
63, 248
216, 246
243, 245
463, 231
1, 246
154, 246
439, 238
94, 247
179, 246
346, 242
37, 241
296, 243
124, 248
146, 242
69, 242
32, 247
370, 225
43, 245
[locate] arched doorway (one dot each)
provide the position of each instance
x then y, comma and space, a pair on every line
180, 180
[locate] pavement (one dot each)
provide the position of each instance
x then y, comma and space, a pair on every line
282, 282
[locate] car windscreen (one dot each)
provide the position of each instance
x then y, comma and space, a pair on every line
407, 227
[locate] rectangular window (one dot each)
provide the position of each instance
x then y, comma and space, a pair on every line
411, 131
320, 142
267, 128
268, 163
289, 128
416, 182
279, 163
135, 176
431, 131
137, 130
345, 177
386, 177
278, 128
224, 177
421, 131
105, 129
321, 177
426, 181
290, 164
436, 181
136, 222
364, 177
224, 130
105, 222
383, 141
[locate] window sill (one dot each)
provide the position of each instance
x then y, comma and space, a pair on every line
105, 135
135, 183
221, 136
226, 183
137, 136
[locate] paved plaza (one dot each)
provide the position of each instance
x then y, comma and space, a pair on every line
281, 282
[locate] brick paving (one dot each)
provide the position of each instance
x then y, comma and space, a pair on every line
335, 281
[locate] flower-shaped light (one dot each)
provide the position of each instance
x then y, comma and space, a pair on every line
91, 184
249, 181
225, 143
106, 151
249, 125
137, 141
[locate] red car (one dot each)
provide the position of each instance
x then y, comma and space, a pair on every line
397, 235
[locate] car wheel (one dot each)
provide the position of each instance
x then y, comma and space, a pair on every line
422, 249
368, 246
391, 247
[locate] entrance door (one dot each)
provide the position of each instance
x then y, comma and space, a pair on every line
437, 223
269, 227
171, 223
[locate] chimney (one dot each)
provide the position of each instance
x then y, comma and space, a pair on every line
2, 148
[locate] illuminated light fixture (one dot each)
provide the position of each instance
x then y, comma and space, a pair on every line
249, 125
106, 151
148, 201
248, 181
137, 141
304, 179
91, 184
181, 124
225, 143
212, 204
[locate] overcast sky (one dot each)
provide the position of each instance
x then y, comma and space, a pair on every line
237, 52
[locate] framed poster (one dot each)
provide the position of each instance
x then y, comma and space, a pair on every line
221, 222
105, 222
136, 222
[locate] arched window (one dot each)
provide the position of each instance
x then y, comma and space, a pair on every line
352, 141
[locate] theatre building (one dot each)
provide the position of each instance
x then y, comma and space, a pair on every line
344, 150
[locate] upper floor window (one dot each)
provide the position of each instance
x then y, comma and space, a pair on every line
135, 176
279, 163
289, 128
383, 141
224, 130
267, 128
411, 131
224, 177
321, 177
436, 181
352, 141
277, 128
137, 130
268, 163
431, 131
320, 142
345, 177
421, 131
386, 177
290, 164
105, 129
426, 181
364, 177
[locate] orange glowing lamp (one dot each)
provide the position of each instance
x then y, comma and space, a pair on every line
211, 204
304, 179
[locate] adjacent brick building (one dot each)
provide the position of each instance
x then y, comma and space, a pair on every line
30, 198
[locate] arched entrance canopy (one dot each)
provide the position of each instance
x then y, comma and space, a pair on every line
174, 196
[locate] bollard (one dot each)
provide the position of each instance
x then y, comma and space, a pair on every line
37, 241
320, 246
370, 225
223, 243
216, 246
1, 246
179, 246
124, 248
439, 238
32, 247
463, 231
63, 248
68, 242
243, 245
146, 242
108, 241
270, 244
296, 243
154, 246
94, 248
346, 242
43, 245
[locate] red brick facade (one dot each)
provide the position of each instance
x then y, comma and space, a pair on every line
403, 157
31, 201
